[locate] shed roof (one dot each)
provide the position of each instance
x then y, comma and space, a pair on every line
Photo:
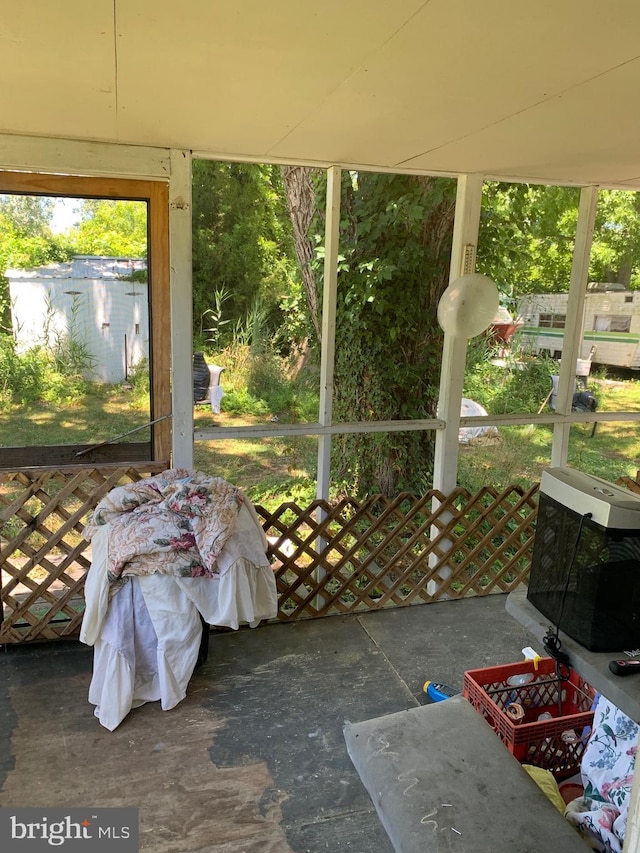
543, 91
83, 266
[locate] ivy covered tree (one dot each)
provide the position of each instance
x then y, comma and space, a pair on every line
395, 250
395, 237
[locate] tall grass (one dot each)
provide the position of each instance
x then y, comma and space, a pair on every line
259, 381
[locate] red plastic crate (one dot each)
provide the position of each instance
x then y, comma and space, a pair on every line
543, 743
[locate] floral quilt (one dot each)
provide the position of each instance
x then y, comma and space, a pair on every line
175, 523
607, 767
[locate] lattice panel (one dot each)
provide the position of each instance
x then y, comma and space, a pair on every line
629, 483
328, 559
43, 557
353, 557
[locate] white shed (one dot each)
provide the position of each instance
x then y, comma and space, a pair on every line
95, 299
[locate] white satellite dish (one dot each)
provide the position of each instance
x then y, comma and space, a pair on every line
468, 305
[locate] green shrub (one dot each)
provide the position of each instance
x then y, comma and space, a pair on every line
517, 387
241, 402
138, 378
56, 375
22, 376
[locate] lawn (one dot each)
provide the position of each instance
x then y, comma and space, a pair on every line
611, 451
274, 470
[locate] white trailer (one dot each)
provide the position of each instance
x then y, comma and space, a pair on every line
93, 298
610, 326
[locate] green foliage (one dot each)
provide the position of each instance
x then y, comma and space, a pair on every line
611, 451
213, 321
71, 355
296, 328
42, 374
242, 244
138, 379
520, 387
527, 235
26, 240
22, 378
258, 380
616, 250
56, 370
241, 402
110, 227
140, 276
267, 379
396, 242
270, 495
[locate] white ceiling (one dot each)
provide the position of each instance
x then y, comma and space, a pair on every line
544, 91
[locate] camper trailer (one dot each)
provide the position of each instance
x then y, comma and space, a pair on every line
610, 327
101, 301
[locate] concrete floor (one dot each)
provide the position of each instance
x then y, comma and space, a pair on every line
254, 759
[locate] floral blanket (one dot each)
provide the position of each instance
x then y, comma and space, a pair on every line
175, 523
608, 762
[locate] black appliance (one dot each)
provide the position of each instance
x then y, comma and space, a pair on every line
587, 585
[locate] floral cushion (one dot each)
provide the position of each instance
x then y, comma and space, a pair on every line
608, 762
175, 523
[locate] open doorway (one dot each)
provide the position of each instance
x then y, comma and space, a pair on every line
85, 320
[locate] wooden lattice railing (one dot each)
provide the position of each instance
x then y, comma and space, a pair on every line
630, 483
328, 558
352, 557
43, 557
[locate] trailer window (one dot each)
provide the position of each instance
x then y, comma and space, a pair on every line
552, 321
611, 323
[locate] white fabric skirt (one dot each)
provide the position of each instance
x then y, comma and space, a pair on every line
146, 636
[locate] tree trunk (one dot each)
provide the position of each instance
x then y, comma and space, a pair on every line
395, 238
301, 204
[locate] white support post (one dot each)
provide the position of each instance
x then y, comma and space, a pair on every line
454, 356
574, 321
328, 345
465, 241
329, 297
181, 308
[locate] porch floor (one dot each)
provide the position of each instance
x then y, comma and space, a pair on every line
254, 759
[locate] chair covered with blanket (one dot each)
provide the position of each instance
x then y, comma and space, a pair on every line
168, 553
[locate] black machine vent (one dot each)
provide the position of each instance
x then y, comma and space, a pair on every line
594, 595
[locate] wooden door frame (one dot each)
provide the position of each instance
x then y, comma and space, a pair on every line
156, 194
